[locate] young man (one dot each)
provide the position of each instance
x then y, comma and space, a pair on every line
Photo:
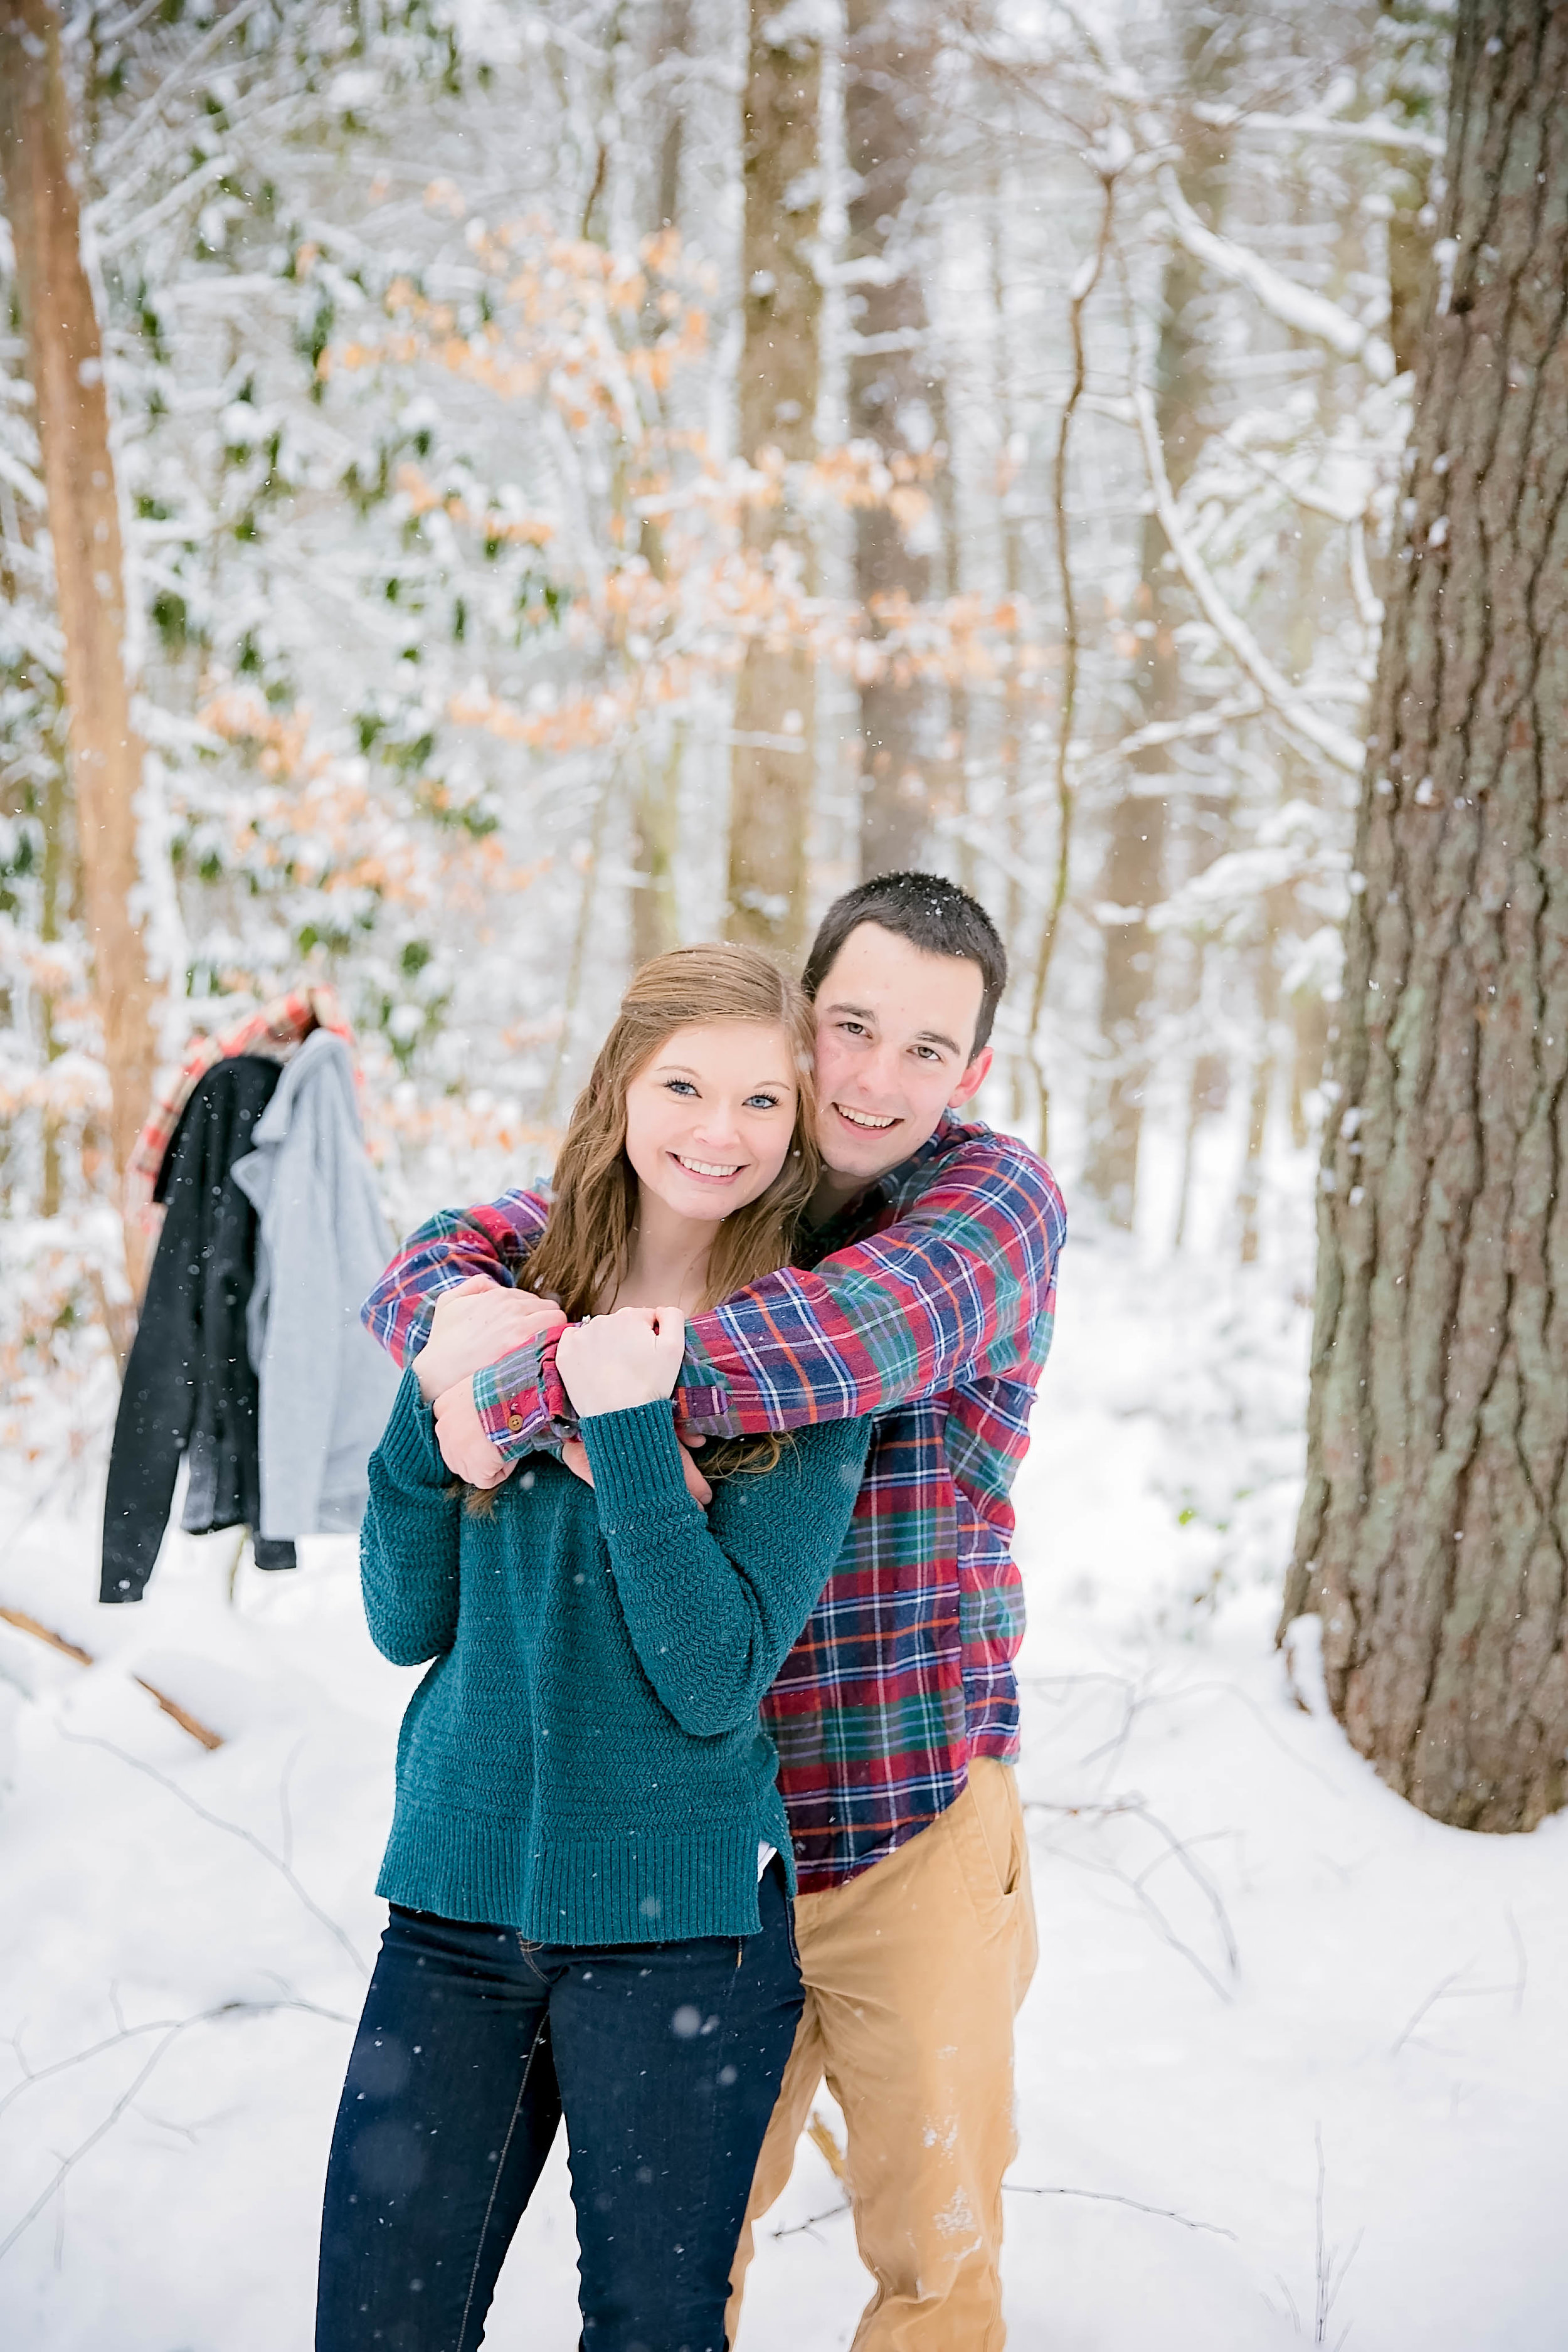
925, 1296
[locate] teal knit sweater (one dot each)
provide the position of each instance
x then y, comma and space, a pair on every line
584, 1761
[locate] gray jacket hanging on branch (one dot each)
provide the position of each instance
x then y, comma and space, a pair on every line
326, 1387
189, 1387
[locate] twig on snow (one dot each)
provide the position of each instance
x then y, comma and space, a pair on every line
1432, 1997
821, 2135
797, 2229
33, 2075
1234, 1690
1330, 2271
73, 1650
182, 2025
1109, 2197
234, 1829
1450, 1989
1135, 1809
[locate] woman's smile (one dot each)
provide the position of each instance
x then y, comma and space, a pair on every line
708, 1171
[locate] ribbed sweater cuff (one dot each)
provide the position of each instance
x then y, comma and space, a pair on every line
635, 1460
408, 1444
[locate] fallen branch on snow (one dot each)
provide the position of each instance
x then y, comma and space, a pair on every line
1109, 2197
173, 2030
1176, 1850
182, 1715
234, 1829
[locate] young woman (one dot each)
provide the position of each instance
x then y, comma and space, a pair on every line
589, 1869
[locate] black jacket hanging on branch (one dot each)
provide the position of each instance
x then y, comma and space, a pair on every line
189, 1386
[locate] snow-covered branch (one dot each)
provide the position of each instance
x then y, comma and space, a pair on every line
224, 31
1371, 130
1332, 741
1294, 306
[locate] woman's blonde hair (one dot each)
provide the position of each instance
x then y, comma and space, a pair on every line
585, 1247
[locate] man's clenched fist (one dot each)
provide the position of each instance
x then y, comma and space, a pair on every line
476, 1323
460, 1434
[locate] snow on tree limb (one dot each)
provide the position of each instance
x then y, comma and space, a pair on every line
1332, 741
224, 31
1368, 132
1294, 306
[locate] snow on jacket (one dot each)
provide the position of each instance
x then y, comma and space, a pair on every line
326, 1387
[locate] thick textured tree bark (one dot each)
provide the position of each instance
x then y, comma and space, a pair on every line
1133, 874
892, 399
774, 761
1434, 1535
66, 364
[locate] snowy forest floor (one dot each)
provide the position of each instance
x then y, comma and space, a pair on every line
1290, 2042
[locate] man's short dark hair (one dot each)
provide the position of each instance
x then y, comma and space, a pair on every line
934, 915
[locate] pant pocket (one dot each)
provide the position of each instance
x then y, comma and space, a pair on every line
989, 1820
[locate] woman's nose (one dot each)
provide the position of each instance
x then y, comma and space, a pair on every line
718, 1124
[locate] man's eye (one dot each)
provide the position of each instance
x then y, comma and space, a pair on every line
853, 1028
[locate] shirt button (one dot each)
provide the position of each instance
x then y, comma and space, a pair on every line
514, 1421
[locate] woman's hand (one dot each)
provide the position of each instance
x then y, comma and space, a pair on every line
616, 1361
476, 1323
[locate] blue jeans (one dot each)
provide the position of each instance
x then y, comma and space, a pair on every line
667, 2059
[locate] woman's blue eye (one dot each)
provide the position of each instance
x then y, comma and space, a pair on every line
681, 1085
761, 1102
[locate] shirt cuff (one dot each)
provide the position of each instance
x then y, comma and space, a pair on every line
522, 1402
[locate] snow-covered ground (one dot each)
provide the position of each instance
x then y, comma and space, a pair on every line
1285, 2030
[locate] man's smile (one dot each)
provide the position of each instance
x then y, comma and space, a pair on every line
870, 1120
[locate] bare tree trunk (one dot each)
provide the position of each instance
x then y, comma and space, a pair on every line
656, 923
1432, 1540
656, 792
66, 364
674, 34
52, 880
1266, 997
775, 700
1133, 871
892, 402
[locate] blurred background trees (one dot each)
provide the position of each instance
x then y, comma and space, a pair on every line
592, 476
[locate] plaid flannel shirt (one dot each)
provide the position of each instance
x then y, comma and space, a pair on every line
929, 1304
285, 1021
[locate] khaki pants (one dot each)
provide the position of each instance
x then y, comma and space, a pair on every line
913, 1974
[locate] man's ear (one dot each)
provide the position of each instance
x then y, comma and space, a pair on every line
973, 1078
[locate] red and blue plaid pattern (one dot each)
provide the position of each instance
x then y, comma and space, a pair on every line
284, 1021
930, 1305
